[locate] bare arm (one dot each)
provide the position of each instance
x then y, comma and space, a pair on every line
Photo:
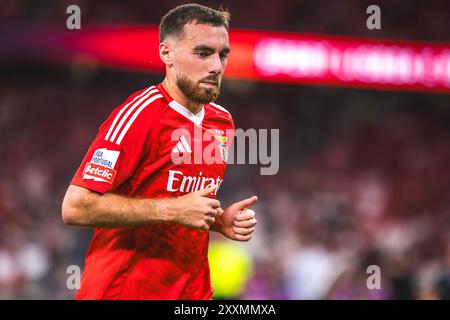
83, 207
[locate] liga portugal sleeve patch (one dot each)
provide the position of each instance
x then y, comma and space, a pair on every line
101, 166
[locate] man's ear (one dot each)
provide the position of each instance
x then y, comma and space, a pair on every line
165, 52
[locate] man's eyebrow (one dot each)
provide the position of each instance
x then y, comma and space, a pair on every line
225, 50
203, 48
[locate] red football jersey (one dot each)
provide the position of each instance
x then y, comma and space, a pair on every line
153, 147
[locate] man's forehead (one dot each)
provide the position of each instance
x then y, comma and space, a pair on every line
204, 34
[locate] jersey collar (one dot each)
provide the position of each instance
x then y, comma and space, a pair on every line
195, 118
178, 107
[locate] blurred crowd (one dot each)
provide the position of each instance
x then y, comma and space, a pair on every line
416, 20
363, 181
364, 178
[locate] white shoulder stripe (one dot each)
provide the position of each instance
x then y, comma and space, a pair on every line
111, 128
130, 110
219, 107
130, 122
181, 147
185, 144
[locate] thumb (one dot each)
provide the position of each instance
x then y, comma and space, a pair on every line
246, 202
207, 191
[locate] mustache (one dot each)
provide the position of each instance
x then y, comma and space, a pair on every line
215, 79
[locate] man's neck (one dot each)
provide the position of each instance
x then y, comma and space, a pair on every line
175, 92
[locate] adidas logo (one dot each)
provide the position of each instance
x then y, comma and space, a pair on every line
182, 146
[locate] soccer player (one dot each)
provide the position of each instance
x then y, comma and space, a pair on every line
150, 203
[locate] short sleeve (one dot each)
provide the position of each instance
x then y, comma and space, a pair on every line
122, 141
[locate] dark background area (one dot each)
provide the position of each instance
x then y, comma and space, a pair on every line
364, 174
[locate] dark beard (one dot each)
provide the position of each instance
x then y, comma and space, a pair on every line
196, 93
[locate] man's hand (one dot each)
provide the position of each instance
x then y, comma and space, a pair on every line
237, 222
86, 208
192, 210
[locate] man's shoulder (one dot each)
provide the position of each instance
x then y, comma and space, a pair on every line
218, 109
144, 97
138, 110
143, 101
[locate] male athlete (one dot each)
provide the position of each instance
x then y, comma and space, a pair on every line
152, 212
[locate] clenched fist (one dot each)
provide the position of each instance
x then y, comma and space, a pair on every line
237, 222
192, 210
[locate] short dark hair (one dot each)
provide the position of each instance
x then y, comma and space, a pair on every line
173, 22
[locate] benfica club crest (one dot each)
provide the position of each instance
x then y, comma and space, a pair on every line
222, 147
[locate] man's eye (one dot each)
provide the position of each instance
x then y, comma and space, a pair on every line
201, 54
223, 56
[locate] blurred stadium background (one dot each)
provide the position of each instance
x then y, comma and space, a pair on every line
364, 173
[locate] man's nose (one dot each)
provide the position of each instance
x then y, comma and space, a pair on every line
215, 65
